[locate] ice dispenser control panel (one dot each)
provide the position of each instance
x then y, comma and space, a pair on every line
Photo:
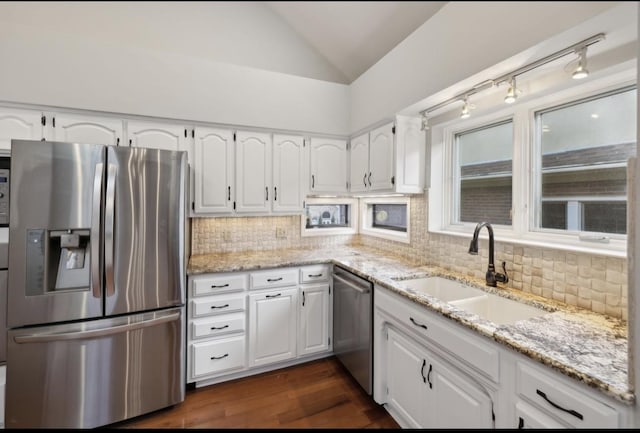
4, 191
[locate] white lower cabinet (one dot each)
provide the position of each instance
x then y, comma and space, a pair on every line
427, 393
313, 320
243, 323
430, 372
272, 321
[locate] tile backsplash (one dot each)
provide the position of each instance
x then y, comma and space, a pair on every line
593, 282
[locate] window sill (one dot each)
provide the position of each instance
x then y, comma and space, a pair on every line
386, 234
616, 248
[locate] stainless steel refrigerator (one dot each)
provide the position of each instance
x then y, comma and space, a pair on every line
96, 283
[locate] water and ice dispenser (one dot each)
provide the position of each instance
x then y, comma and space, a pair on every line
57, 260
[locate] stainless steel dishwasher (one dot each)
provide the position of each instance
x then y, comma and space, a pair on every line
352, 325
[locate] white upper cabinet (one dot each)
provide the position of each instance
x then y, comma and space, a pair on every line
289, 177
213, 170
381, 158
20, 125
154, 135
410, 155
253, 171
390, 158
359, 163
84, 129
328, 165
371, 160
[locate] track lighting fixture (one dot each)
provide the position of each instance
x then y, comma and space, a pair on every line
512, 92
581, 70
579, 48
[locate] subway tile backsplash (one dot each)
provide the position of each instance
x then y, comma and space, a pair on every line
593, 282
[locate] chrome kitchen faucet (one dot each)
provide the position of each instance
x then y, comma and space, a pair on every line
492, 276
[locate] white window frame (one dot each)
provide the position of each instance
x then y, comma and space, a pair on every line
353, 221
366, 219
523, 230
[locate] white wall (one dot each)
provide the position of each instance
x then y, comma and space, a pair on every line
460, 40
108, 60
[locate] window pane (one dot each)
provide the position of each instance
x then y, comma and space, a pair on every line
327, 215
584, 149
485, 169
390, 216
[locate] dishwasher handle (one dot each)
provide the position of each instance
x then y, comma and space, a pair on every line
352, 284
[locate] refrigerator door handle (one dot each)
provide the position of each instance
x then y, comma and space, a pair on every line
109, 224
96, 280
94, 333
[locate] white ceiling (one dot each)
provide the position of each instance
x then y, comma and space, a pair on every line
354, 35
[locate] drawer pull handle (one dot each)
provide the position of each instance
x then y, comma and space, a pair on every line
219, 306
429, 376
219, 357
570, 411
219, 287
273, 296
417, 324
273, 280
214, 328
424, 362
314, 275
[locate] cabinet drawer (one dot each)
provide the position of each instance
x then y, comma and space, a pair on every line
219, 283
570, 405
311, 274
468, 348
219, 355
273, 278
217, 305
218, 325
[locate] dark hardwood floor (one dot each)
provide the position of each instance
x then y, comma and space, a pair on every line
317, 394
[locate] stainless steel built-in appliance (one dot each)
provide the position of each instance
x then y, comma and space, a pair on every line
5, 163
353, 325
96, 283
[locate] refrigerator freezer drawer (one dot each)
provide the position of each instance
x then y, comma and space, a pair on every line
219, 355
94, 373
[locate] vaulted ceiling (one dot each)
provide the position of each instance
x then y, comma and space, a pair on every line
354, 35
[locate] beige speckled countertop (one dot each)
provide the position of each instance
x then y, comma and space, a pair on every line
586, 346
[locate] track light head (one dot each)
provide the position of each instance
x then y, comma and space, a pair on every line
425, 122
581, 70
466, 109
512, 93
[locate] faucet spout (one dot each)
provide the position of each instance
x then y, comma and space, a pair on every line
492, 277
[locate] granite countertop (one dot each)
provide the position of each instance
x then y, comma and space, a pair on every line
586, 346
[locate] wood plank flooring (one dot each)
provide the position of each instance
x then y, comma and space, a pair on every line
317, 394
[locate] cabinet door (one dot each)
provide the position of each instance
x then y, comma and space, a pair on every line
328, 165
19, 125
213, 170
253, 171
83, 129
288, 176
272, 326
313, 329
381, 158
457, 400
407, 366
359, 163
411, 161
158, 135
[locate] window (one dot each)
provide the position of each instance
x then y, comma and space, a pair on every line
583, 151
484, 169
329, 216
547, 171
385, 217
